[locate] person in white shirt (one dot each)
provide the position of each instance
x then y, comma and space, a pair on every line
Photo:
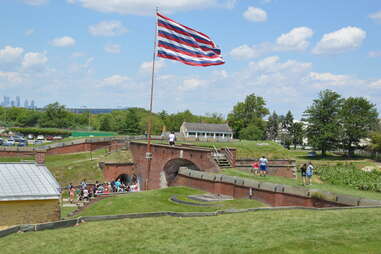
172, 138
309, 173
263, 166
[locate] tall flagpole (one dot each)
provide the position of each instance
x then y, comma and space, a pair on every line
149, 150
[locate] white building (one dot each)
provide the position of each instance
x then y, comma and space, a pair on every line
206, 130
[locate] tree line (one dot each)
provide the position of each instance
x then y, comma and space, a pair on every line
331, 122
132, 121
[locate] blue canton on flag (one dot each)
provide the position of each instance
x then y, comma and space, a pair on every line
184, 44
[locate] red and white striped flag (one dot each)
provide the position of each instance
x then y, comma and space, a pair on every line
184, 44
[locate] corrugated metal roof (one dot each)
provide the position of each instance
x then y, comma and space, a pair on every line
27, 181
207, 127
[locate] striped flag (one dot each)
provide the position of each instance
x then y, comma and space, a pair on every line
184, 44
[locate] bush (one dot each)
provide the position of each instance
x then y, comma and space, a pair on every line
41, 131
351, 176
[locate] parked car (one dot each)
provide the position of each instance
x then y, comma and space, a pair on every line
30, 136
22, 144
57, 137
40, 137
1, 141
49, 138
9, 142
37, 142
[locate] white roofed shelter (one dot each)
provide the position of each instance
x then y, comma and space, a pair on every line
206, 130
29, 193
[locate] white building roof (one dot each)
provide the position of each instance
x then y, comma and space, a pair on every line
27, 181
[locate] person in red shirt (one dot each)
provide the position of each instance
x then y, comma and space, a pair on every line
255, 168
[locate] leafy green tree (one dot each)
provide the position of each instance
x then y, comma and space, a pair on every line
323, 118
250, 112
131, 124
272, 128
376, 141
358, 117
287, 124
251, 132
105, 123
297, 134
55, 116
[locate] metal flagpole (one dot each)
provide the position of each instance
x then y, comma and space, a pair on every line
149, 151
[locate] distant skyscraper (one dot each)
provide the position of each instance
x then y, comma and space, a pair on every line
12, 103
18, 104
26, 104
32, 104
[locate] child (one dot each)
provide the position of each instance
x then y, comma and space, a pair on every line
71, 194
255, 168
303, 169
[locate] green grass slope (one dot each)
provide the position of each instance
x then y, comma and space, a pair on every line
317, 184
265, 232
158, 200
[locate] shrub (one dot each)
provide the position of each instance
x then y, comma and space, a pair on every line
41, 131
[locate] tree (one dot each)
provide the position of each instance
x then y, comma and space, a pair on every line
297, 134
376, 141
358, 117
251, 132
105, 123
55, 116
131, 124
250, 112
287, 124
323, 119
272, 128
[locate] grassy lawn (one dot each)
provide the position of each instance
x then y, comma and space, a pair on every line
246, 148
317, 184
264, 232
16, 159
158, 200
301, 156
118, 156
73, 168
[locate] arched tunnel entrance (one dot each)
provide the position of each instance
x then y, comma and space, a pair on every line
171, 169
124, 178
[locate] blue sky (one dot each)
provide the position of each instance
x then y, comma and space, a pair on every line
98, 53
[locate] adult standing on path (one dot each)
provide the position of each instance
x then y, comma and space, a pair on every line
309, 173
172, 138
263, 165
303, 171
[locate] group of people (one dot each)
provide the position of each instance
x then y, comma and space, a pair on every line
307, 171
86, 191
260, 168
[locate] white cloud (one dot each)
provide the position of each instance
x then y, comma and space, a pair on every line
107, 28
29, 32
375, 84
255, 14
77, 54
340, 41
65, 41
272, 64
374, 53
247, 52
191, 84
13, 77
376, 16
84, 67
115, 79
329, 79
71, 1
146, 67
10, 54
147, 7
113, 48
34, 60
296, 39
35, 2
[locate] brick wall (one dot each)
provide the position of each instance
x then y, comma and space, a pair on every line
238, 190
28, 212
112, 170
163, 154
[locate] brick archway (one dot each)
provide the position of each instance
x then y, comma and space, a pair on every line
171, 169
